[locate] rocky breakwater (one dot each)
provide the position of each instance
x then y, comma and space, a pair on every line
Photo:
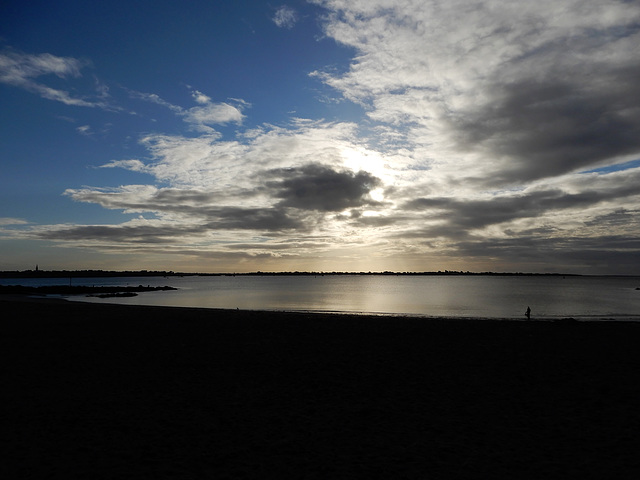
90, 291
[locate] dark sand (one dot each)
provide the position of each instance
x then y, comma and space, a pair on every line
114, 392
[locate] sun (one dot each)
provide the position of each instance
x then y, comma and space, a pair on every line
361, 159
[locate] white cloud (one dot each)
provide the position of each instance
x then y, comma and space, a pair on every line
154, 98
21, 70
200, 97
133, 165
201, 117
85, 130
214, 114
12, 221
285, 17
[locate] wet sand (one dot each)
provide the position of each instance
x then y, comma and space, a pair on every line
110, 391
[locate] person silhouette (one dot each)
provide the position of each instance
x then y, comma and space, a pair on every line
528, 313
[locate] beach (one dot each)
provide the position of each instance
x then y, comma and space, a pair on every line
114, 391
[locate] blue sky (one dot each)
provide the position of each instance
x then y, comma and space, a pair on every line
322, 135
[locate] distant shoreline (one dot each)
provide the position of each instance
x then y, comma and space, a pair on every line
156, 273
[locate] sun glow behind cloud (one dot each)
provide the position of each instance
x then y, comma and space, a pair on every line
494, 135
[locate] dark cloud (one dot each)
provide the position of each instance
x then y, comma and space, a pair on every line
202, 254
567, 121
170, 196
321, 188
607, 253
469, 214
620, 219
269, 219
196, 205
120, 233
605, 244
225, 218
162, 200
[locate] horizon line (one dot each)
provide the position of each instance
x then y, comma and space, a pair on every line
144, 272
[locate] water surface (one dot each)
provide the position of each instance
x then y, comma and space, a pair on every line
449, 296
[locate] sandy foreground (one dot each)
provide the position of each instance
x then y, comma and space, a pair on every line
110, 391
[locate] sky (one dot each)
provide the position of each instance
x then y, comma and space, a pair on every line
321, 135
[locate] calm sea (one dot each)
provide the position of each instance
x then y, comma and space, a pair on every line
588, 297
